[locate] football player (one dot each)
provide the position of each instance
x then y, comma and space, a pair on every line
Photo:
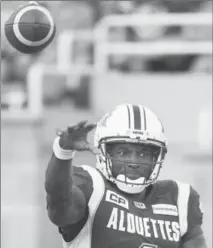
120, 203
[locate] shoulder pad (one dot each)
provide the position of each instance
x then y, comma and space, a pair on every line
83, 180
168, 189
86, 178
80, 175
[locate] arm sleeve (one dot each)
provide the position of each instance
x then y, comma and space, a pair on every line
195, 216
68, 191
82, 179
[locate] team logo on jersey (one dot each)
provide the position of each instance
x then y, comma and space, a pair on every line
139, 205
117, 199
165, 209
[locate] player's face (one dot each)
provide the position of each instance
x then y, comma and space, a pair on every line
132, 160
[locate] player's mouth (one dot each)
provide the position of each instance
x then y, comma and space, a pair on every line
132, 176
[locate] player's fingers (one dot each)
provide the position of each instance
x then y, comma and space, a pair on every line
88, 146
70, 129
82, 123
76, 127
90, 127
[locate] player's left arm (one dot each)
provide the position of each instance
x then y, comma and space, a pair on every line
196, 242
194, 237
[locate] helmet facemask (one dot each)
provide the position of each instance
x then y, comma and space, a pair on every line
134, 124
123, 180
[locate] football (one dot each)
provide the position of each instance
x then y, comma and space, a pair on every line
30, 28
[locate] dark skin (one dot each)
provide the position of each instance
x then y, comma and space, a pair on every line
67, 207
140, 158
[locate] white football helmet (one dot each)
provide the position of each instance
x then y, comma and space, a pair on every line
134, 124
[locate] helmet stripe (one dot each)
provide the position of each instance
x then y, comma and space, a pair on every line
144, 118
137, 117
129, 120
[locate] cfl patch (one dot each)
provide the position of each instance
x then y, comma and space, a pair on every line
139, 205
165, 209
116, 199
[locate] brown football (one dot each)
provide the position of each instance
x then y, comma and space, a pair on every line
30, 28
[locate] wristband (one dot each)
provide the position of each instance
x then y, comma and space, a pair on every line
62, 153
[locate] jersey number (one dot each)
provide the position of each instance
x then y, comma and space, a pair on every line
145, 245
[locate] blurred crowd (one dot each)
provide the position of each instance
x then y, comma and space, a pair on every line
171, 63
14, 65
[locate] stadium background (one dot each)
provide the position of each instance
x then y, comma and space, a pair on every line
177, 87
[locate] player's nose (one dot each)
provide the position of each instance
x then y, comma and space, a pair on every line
133, 165
134, 161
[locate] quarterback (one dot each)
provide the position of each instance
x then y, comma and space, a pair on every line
119, 203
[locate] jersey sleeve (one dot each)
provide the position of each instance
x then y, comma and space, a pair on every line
195, 216
195, 210
83, 181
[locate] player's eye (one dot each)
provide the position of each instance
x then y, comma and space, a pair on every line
141, 154
144, 154
122, 152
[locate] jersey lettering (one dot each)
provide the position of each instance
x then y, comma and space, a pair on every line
117, 199
123, 221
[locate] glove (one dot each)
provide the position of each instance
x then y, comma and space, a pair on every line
75, 137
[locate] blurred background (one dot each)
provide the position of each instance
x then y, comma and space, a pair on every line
157, 53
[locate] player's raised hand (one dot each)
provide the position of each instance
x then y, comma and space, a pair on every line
75, 137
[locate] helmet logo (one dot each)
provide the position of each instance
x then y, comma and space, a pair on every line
138, 132
103, 121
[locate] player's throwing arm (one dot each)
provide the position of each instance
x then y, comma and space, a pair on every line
65, 201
